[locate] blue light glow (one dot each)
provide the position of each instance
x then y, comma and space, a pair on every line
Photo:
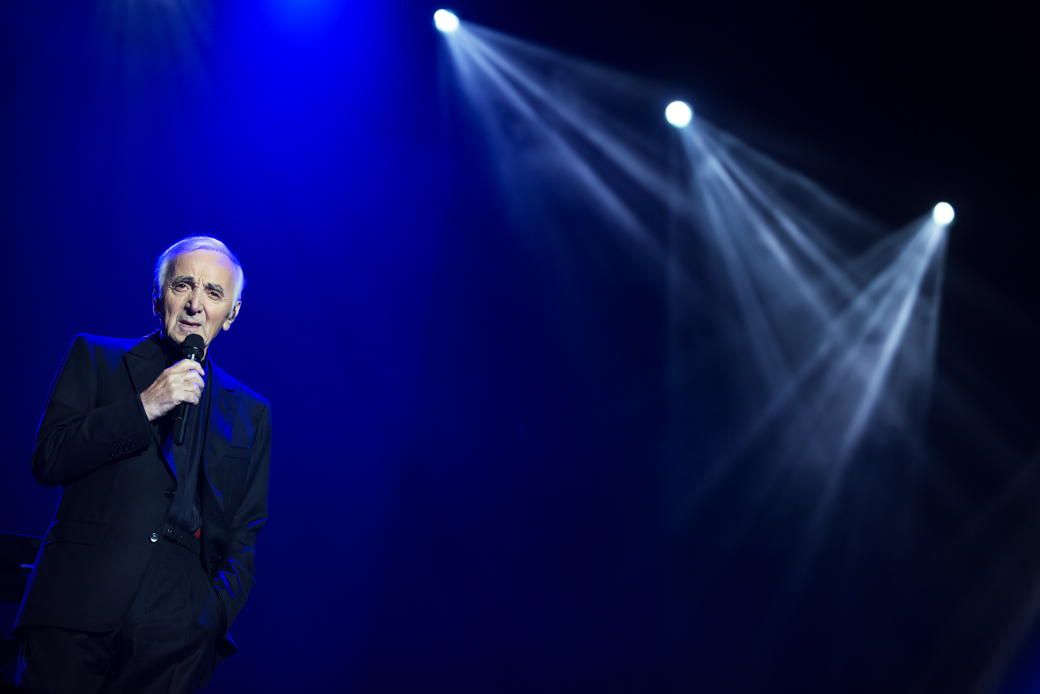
943, 213
445, 21
679, 114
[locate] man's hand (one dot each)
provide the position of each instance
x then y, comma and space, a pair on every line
182, 382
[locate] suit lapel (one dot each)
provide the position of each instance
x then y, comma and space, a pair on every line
145, 361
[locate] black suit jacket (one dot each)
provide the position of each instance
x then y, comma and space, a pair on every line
95, 441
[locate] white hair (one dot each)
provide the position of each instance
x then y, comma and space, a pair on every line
186, 245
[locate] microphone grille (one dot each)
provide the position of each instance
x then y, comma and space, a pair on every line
193, 346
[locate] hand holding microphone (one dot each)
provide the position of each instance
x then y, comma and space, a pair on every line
178, 386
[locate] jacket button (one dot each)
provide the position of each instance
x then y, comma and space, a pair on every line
170, 493
154, 537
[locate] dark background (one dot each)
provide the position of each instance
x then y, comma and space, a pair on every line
468, 483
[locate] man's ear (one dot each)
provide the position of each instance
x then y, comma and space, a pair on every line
156, 301
232, 315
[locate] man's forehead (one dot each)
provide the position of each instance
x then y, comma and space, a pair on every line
203, 264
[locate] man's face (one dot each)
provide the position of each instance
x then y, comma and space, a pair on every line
197, 296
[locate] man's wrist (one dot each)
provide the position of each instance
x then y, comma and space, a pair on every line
145, 410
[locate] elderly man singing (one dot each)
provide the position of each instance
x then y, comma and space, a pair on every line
150, 554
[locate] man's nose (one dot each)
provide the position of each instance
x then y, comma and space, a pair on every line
194, 304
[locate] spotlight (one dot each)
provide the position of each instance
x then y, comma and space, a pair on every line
445, 21
679, 114
942, 214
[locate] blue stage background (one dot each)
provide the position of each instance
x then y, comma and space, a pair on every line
467, 491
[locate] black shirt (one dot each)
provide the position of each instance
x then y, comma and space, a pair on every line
185, 511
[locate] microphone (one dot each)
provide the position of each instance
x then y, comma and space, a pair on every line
192, 348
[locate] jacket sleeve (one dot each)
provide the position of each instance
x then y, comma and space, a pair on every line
75, 435
235, 572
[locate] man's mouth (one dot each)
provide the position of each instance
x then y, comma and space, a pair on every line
189, 325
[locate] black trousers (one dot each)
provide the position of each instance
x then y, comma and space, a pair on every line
163, 645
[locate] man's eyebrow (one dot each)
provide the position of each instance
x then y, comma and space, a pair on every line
211, 285
183, 278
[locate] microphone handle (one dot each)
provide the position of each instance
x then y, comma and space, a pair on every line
180, 419
180, 423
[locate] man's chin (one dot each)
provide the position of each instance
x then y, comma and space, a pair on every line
179, 334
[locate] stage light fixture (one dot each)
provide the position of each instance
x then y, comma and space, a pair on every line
679, 114
445, 21
942, 214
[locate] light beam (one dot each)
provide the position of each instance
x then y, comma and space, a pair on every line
826, 318
445, 21
942, 214
679, 114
